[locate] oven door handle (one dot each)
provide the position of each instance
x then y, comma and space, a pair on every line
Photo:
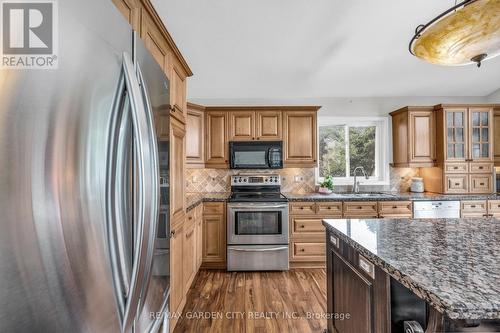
253, 206
281, 248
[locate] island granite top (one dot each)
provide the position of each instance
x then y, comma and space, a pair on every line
453, 264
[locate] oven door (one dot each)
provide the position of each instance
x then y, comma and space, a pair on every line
257, 223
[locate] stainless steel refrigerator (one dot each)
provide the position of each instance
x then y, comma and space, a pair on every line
79, 183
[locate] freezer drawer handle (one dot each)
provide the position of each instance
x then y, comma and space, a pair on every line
260, 250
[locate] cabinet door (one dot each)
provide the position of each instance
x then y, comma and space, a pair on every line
456, 143
131, 10
480, 134
268, 125
351, 293
195, 152
481, 184
199, 236
178, 92
496, 140
241, 126
216, 149
156, 43
422, 143
300, 139
214, 238
188, 255
177, 174
176, 267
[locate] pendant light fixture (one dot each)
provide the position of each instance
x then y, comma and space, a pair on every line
467, 33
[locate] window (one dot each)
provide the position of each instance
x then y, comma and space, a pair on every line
347, 143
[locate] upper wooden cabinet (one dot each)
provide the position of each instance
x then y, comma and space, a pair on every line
268, 125
241, 126
496, 136
300, 138
195, 140
465, 133
178, 93
413, 133
216, 148
131, 9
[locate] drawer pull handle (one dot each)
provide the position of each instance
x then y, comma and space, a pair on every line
394, 207
457, 184
302, 226
360, 207
302, 208
367, 266
482, 184
481, 168
302, 250
329, 207
456, 168
473, 206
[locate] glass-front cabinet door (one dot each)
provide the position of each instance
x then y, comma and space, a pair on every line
456, 134
480, 120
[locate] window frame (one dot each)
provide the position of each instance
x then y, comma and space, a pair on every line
382, 148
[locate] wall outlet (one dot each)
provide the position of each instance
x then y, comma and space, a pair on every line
194, 179
298, 179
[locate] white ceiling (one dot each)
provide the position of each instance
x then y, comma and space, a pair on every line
313, 48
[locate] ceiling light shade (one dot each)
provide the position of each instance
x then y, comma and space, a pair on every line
466, 33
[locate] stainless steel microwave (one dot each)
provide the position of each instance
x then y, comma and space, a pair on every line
256, 154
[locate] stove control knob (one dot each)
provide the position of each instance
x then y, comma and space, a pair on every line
245, 180
239, 180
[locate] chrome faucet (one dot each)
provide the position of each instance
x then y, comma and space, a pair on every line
355, 187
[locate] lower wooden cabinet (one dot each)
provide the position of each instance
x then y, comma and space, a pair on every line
481, 183
494, 208
396, 209
189, 256
303, 250
176, 267
456, 184
361, 209
476, 208
214, 235
199, 235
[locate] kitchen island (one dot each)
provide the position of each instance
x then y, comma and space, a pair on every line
443, 274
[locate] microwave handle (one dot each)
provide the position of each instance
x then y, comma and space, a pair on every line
268, 157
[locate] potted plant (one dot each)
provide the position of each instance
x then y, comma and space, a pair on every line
326, 186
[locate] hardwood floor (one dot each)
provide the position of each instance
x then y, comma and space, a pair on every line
248, 302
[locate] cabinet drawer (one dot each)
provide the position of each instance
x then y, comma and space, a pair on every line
456, 184
481, 168
481, 183
213, 208
476, 208
363, 209
395, 209
302, 208
494, 208
456, 168
329, 209
307, 226
308, 251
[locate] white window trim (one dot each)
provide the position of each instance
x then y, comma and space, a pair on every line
382, 141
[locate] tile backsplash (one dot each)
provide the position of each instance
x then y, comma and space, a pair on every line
296, 180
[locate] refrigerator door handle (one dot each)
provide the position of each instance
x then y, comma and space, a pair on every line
154, 177
129, 282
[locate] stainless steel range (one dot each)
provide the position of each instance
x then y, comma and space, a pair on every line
257, 224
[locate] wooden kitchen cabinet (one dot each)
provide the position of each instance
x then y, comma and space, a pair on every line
395, 209
199, 235
176, 267
195, 139
307, 251
473, 208
300, 139
162, 126
216, 138
178, 91
494, 208
414, 133
189, 256
131, 10
156, 43
268, 125
177, 172
241, 126
214, 235
350, 292
361, 209
481, 134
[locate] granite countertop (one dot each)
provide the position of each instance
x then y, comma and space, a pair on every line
454, 264
194, 199
386, 196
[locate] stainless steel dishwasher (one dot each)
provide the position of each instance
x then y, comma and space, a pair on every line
436, 209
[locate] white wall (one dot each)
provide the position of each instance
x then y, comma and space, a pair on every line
494, 97
344, 107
